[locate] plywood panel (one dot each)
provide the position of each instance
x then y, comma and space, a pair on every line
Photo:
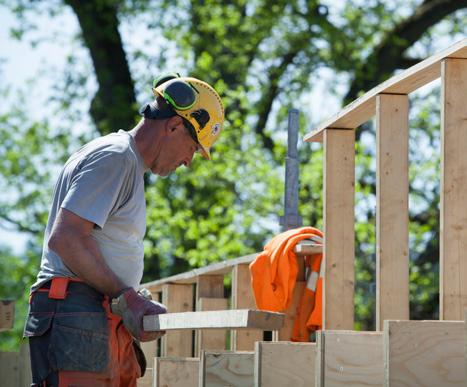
348, 358
339, 229
392, 208
220, 369
243, 298
424, 353
362, 109
453, 211
176, 372
177, 298
282, 364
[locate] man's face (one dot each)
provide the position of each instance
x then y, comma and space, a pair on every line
178, 148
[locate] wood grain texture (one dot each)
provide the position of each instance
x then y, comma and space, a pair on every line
339, 229
243, 298
176, 372
221, 319
363, 108
220, 369
7, 314
177, 298
424, 353
453, 211
284, 364
211, 339
392, 208
349, 358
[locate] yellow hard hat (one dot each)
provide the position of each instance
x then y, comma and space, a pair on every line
196, 102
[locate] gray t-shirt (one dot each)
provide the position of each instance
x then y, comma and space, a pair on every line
103, 182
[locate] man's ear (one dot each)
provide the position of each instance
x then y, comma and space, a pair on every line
174, 122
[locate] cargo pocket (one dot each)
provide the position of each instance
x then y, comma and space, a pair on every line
78, 346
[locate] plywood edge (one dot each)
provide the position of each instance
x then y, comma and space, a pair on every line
221, 319
363, 108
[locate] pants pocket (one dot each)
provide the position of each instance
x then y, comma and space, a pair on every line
79, 349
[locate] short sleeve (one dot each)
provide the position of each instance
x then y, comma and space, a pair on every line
97, 186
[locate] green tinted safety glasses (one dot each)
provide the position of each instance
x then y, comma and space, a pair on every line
180, 95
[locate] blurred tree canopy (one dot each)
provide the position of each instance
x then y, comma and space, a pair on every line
263, 58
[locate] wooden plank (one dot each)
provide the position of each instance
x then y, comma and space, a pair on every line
211, 339
285, 333
177, 298
24, 365
349, 358
339, 232
243, 298
306, 247
363, 108
453, 211
221, 319
424, 353
176, 372
9, 369
211, 286
392, 208
284, 364
148, 379
7, 314
220, 369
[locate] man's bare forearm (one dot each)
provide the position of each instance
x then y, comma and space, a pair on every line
81, 254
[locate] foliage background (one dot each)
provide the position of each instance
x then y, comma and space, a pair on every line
264, 58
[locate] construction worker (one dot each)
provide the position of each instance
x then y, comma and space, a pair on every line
85, 311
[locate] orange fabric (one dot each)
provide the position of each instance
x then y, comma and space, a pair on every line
273, 278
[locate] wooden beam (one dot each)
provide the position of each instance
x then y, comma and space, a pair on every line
226, 369
284, 364
285, 333
349, 358
7, 314
243, 298
363, 108
424, 353
392, 208
221, 319
210, 286
453, 212
176, 372
339, 229
177, 298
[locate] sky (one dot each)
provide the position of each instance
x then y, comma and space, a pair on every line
19, 62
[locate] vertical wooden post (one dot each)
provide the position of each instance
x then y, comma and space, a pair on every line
453, 216
339, 228
177, 298
210, 296
392, 208
242, 298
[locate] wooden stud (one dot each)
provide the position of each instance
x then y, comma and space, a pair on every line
284, 364
453, 212
285, 333
211, 339
176, 372
339, 229
226, 369
392, 208
243, 298
9, 369
177, 298
210, 286
424, 353
7, 314
349, 358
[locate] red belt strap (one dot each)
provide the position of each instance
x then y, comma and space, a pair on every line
59, 285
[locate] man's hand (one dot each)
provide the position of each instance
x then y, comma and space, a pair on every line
132, 306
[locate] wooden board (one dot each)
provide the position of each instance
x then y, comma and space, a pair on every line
176, 372
221, 319
424, 353
285, 333
349, 358
339, 229
209, 339
9, 369
453, 209
243, 298
363, 108
177, 298
279, 364
7, 314
220, 369
392, 208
